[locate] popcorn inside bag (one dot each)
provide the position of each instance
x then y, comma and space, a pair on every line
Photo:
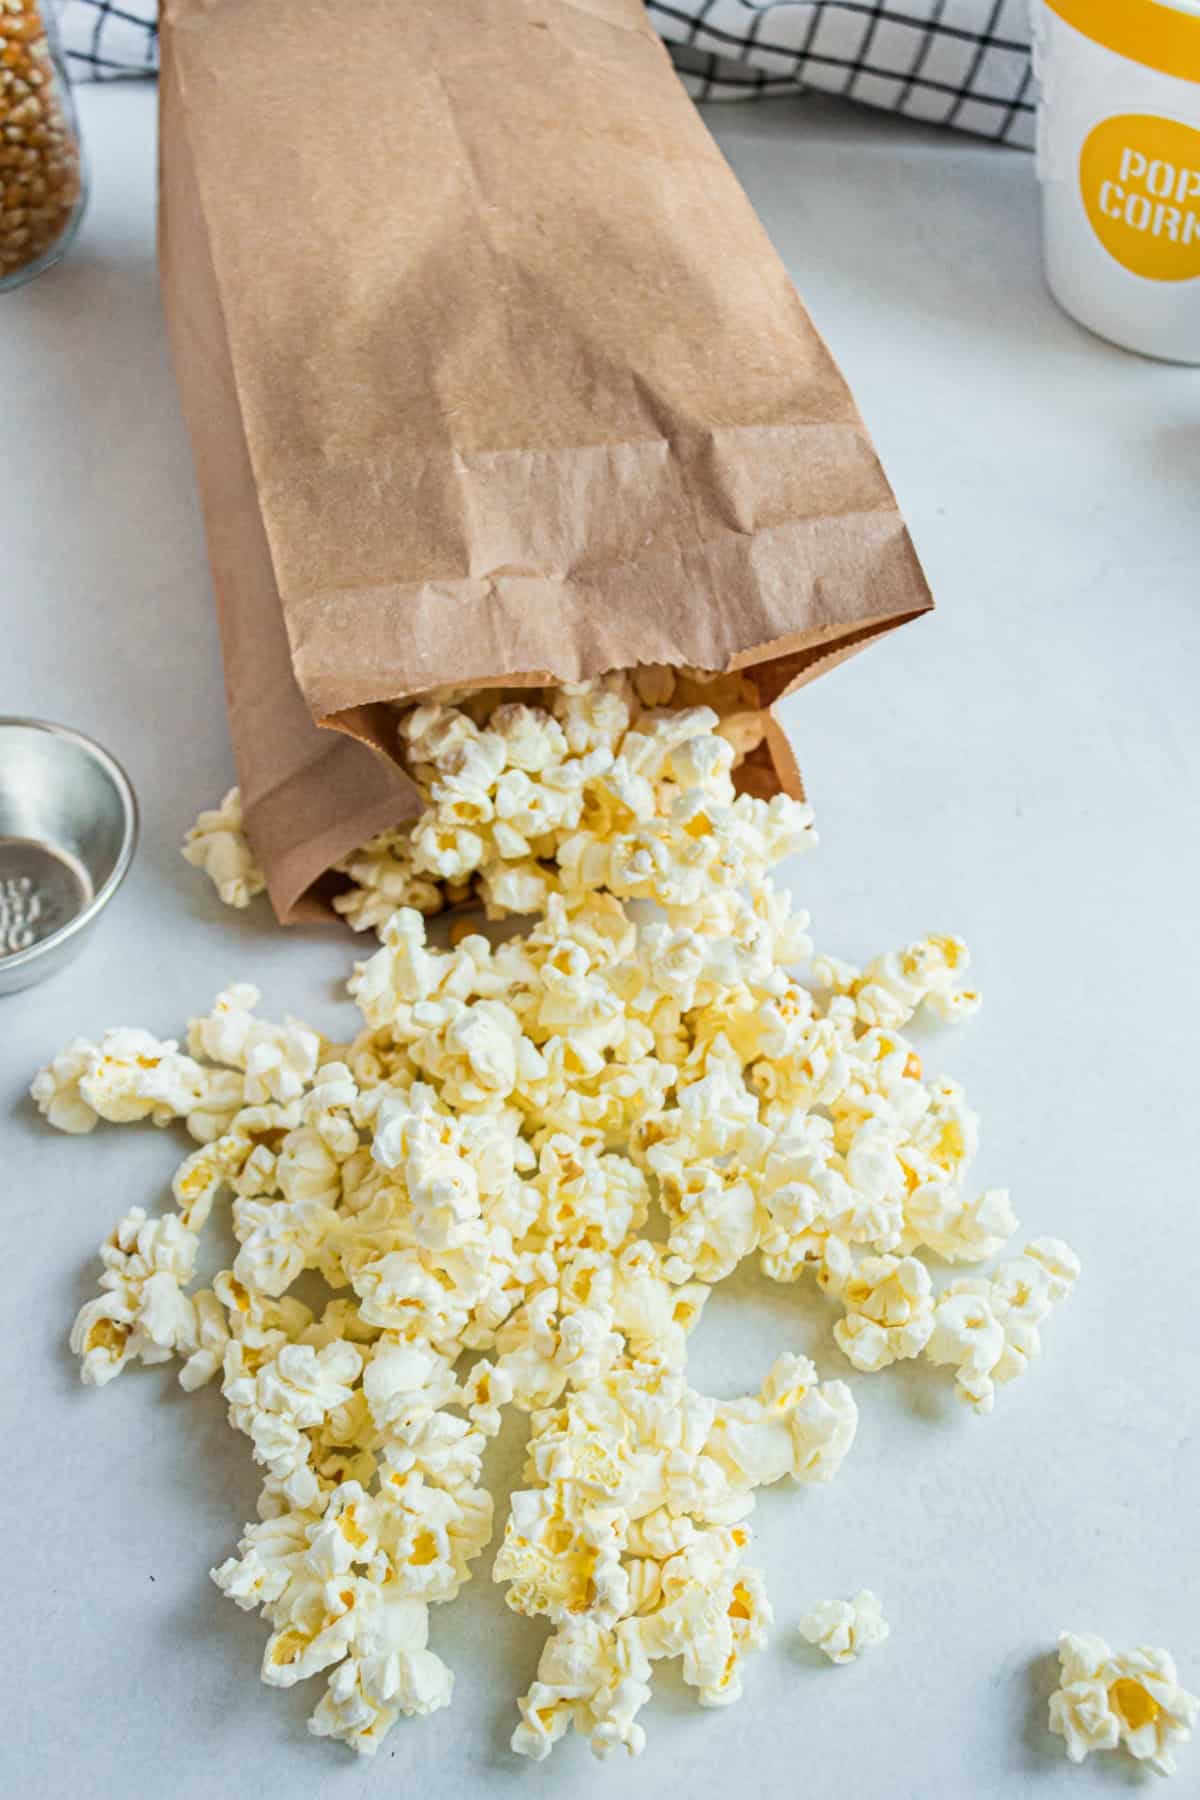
572, 417
520, 1180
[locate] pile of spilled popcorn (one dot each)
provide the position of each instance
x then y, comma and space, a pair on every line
519, 1182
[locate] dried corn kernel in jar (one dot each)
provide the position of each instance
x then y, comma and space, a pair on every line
41, 169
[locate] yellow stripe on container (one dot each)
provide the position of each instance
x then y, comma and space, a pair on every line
1159, 37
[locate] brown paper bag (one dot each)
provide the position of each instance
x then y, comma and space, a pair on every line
490, 371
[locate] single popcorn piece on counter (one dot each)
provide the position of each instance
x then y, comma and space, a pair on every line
128, 1076
844, 1629
1133, 1699
217, 843
515, 1188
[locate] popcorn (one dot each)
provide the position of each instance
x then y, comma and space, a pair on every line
207, 1342
55, 1089
938, 1218
893, 987
367, 1694
143, 1315
514, 781
889, 1311
129, 1075
1131, 1698
794, 1426
988, 1330
278, 1061
843, 1629
278, 1241
217, 843
707, 1608
384, 878
518, 1185
714, 1612
589, 1677
714, 1225
330, 1585
102, 1337
637, 1461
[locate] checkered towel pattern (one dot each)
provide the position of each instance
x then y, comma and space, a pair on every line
964, 63
961, 63
103, 40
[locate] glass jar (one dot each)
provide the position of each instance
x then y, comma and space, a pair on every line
42, 180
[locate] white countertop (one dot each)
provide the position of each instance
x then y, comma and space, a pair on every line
1022, 767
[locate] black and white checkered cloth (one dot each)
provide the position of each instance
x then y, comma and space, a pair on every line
953, 62
963, 63
104, 40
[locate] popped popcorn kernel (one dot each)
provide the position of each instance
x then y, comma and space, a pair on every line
1132, 1699
987, 1330
843, 1629
128, 1076
890, 990
889, 1311
217, 843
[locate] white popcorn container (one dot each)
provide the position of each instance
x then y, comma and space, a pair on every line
1118, 155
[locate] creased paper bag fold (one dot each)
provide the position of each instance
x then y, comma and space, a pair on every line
490, 371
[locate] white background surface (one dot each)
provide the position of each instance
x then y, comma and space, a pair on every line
1021, 767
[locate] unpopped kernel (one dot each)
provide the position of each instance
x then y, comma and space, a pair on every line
519, 1181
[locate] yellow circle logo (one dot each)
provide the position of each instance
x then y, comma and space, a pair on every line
1140, 180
